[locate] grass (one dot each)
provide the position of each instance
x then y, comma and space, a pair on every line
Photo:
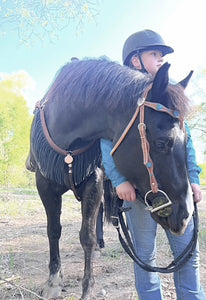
18, 207
19, 203
13, 204
114, 253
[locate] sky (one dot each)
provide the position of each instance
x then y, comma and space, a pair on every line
180, 22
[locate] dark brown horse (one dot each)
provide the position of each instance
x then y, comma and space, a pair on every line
94, 99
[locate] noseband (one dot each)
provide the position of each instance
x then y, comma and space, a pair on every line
163, 200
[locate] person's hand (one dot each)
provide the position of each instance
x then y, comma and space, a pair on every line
126, 191
197, 192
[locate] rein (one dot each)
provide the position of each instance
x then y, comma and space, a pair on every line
69, 155
176, 264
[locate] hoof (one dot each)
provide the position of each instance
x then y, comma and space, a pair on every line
53, 287
100, 243
96, 254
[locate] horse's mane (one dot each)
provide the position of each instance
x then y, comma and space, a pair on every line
94, 82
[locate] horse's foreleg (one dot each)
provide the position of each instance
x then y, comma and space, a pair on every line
51, 198
91, 199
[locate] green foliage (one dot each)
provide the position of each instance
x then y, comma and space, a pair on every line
197, 119
203, 174
15, 122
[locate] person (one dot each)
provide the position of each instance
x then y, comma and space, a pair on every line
145, 51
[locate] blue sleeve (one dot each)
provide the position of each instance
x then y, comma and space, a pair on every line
193, 169
109, 165
117, 179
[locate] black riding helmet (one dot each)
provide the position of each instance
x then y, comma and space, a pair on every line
141, 41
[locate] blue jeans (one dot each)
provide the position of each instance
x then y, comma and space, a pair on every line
148, 285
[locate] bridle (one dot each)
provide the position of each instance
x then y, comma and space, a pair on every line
146, 147
128, 245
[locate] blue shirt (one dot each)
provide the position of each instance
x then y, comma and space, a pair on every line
193, 169
117, 179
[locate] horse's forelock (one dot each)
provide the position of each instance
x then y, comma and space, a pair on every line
178, 100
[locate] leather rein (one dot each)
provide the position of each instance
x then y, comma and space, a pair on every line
175, 265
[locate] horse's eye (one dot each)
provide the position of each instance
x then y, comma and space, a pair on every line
163, 145
160, 145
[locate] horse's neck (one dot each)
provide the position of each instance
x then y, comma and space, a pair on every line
83, 124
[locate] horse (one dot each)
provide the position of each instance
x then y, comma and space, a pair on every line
95, 99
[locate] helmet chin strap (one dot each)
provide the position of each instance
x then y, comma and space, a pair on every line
143, 70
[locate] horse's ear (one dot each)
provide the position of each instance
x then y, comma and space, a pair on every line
185, 81
160, 82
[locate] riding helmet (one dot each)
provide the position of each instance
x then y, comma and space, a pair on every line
141, 41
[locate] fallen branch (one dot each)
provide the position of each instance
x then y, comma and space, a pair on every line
2, 280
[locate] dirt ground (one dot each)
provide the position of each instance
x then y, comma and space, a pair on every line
24, 253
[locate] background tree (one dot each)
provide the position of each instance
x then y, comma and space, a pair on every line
43, 19
15, 122
197, 119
